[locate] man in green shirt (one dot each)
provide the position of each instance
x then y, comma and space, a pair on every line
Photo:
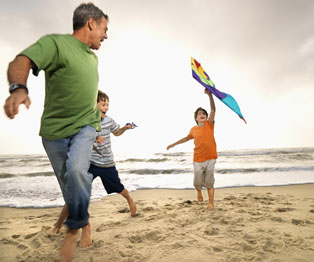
70, 117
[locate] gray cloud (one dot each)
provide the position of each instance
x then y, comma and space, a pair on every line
265, 36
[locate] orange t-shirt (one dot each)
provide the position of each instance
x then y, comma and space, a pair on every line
204, 141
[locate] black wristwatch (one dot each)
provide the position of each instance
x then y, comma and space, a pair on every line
15, 86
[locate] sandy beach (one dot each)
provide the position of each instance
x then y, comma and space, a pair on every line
247, 224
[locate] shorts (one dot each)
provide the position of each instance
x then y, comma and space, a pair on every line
109, 177
204, 174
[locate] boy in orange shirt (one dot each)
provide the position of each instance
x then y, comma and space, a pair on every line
205, 153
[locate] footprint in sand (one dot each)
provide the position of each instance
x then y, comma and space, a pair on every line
217, 249
247, 247
177, 245
276, 219
297, 221
22, 246
124, 210
101, 228
223, 221
151, 236
136, 238
30, 236
99, 243
230, 198
211, 231
309, 222
250, 239
8, 241
36, 243
284, 209
272, 245
151, 218
146, 209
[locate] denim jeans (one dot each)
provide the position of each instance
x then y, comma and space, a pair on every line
69, 158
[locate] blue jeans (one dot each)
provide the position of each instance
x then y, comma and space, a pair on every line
69, 158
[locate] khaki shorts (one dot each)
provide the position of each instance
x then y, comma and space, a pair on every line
204, 174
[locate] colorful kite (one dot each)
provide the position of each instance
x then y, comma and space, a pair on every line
200, 75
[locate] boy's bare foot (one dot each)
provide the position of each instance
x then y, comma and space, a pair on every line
210, 206
199, 195
67, 251
132, 207
86, 237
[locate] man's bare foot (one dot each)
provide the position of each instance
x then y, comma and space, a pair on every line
132, 207
199, 195
67, 251
86, 237
53, 230
210, 206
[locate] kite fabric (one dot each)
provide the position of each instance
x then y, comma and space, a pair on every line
200, 75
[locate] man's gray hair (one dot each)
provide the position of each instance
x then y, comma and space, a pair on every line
84, 12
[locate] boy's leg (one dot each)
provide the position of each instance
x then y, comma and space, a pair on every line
112, 183
70, 160
209, 182
199, 195
62, 217
211, 192
198, 180
126, 195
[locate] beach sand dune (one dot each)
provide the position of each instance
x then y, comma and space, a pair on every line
247, 224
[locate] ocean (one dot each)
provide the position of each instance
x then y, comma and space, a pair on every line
28, 180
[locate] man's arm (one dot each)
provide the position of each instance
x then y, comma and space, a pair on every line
18, 72
212, 106
181, 141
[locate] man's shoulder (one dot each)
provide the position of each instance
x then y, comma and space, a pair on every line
54, 39
56, 36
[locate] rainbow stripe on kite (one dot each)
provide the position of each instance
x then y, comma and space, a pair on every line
200, 75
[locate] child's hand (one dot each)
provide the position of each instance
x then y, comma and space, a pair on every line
128, 126
206, 91
100, 139
170, 146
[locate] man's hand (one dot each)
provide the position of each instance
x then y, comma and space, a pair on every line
11, 106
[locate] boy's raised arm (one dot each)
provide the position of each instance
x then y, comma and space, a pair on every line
212, 106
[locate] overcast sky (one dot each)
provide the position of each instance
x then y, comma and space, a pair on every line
259, 51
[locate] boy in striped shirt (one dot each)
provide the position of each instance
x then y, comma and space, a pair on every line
102, 161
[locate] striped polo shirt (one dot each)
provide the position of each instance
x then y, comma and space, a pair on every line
102, 155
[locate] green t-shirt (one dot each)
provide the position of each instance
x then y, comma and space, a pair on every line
71, 85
